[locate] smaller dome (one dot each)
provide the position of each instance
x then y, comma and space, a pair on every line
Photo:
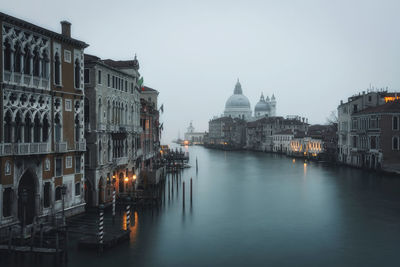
261, 106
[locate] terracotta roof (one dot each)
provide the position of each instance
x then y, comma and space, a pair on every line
393, 106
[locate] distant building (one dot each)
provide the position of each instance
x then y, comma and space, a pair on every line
193, 137
357, 103
375, 137
281, 141
227, 133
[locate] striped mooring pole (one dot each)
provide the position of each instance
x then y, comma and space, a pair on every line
113, 206
101, 227
128, 215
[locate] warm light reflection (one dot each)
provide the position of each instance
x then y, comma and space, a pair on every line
126, 179
134, 177
391, 98
294, 160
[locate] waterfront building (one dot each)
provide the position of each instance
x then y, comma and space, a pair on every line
227, 133
112, 128
259, 133
42, 135
281, 141
151, 170
375, 137
193, 137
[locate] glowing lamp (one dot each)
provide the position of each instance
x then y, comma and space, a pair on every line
126, 179
134, 177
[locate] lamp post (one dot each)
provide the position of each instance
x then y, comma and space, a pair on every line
63, 192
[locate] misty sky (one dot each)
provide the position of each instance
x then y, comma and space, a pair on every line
310, 54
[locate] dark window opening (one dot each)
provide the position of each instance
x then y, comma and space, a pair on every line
46, 195
7, 202
58, 193
59, 167
77, 74
57, 69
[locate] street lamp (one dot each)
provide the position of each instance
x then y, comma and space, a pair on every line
63, 192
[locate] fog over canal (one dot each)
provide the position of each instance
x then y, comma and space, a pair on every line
265, 210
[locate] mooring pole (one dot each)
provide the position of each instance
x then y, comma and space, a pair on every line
197, 166
113, 206
169, 190
183, 193
101, 227
128, 216
191, 189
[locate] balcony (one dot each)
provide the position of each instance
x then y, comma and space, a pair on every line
81, 145
120, 161
26, 80
9, 149
60, 147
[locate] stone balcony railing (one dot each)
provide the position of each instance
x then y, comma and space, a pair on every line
120, 161
9, 149
26, 80
60, 147
80, 146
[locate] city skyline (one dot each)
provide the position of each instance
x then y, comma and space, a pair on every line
310, 55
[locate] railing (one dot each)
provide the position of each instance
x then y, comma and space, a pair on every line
80, 146
120, 161
24, 148
26, 80
60, 147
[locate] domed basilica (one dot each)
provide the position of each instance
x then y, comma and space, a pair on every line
238, 105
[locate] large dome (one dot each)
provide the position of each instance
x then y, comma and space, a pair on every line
237, 101
238, 105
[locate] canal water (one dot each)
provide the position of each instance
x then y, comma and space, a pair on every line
258, 209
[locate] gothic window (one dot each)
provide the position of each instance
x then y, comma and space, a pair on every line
46, 195
7, 201
7, 128
99, 112
58, 166
108, 112
36, 63
45, 129
45, 65
36, 129
28, 128
109, 150
17, 59
7, 56
27, 61
18, 128
57, 66
57, 128
77, 72
100, 152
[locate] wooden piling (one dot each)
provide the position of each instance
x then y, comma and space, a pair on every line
183, 193
191, 189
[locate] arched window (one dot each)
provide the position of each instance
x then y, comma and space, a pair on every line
395, 143
77, 75
18, 128
109, 151
395, 123
57, 66
77, 128
17, 59
36, 63
27, 60
7, 127
7, 56
57, 128
45, 65
36, 129
108, 112
45, 129
28, 128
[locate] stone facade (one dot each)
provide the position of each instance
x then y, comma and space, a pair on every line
42, 112
113, 132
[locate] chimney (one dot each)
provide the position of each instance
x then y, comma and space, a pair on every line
66, 28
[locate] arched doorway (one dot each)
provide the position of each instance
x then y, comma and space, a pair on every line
26, 197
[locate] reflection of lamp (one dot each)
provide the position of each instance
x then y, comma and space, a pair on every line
134, 177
